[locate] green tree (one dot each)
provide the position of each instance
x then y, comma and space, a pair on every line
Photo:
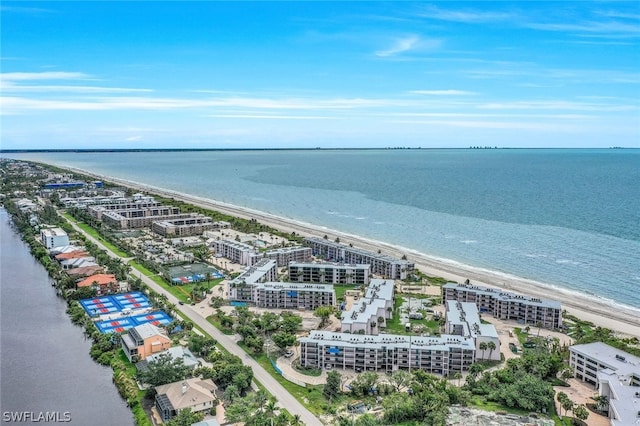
363, 383
323, 312
283, 339
400, 379
332, 387
581, 412
185, 418
483, 347
491, 346
164, 370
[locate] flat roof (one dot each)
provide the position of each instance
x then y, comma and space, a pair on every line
503, 295
443, 342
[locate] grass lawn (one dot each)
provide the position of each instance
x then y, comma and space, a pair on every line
394, 326
479, 402
342, 289
92, 232
311, 396
213, 320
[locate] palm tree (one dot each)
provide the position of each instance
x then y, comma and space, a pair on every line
491, 346
457, 376
483, 347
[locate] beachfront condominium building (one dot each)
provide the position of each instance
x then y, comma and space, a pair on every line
507, 306
281, 295
139, 217
54, 237
240, 288
120, 203
383, 265
443, 355
330, 273
184, 225
285, 255
462, 319
615, 374
371, 312
257, 286
236, 252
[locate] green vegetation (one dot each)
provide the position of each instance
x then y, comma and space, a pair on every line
586, 332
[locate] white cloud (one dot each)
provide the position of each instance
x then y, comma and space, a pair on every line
273, 117
10, 87
399, 46
468, 16
449, 92
46, 75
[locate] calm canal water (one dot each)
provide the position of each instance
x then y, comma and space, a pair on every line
44, 359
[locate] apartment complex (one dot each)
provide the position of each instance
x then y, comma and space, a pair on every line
183, 225
371, 312
285, 255
116, 204
240, 288
505, 305
616, 375
54, 237
257, 285
332, 273
281, 295
236, 252
462, 319
386, 266
139, 217
443, 355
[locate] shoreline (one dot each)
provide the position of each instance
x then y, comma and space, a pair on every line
621, 319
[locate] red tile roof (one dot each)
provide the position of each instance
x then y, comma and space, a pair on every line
101, 279
72, 255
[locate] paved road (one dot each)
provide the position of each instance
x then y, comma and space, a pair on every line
285, 399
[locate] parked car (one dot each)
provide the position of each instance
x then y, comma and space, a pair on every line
181, 303
288, 354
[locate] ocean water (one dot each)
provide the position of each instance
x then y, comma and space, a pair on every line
567, 218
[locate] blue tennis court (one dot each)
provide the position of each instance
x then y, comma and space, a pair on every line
195, 278
118, 325
115, 303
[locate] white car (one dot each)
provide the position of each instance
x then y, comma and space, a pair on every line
288, 354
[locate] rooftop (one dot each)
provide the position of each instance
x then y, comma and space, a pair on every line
100, 279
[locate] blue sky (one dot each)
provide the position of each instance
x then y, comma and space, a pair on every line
328, 74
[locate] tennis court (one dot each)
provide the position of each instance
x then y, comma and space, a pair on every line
115, 303
119, 325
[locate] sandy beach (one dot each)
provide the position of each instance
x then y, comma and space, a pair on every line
622, 321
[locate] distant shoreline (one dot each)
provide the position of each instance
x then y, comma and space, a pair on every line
391, 148
625, 320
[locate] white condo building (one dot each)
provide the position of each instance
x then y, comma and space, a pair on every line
285, 255
615, 374
462, 319
387, 352
507, 306
386, 266
331, 273
237, 252
54, 237
371, 312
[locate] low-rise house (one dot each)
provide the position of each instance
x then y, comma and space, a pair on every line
85, 271
144, 340
175, 352
196, 394
78, 262
103, 283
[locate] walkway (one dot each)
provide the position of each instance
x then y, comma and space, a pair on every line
285, 399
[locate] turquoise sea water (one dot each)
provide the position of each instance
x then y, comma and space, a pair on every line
569, 218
